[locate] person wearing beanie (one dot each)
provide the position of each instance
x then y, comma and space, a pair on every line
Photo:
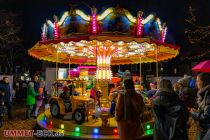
187, 94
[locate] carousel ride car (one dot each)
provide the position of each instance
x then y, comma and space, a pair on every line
70, 104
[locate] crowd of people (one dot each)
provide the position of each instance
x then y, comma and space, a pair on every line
174, 106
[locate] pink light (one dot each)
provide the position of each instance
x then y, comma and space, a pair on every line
87, 67
139, 27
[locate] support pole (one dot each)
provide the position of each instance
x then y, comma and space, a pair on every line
69, 76
56, 74
157, 80
140, 80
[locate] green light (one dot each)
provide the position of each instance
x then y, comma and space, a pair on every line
77, 129
149, 132
75, 134
148, 126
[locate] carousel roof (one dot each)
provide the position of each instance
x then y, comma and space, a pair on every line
79, 38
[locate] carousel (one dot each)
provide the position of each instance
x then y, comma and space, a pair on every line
110, 37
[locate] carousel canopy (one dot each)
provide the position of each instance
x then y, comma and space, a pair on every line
114, 35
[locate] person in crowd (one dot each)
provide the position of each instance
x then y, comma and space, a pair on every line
73, 91
111, 90
36, 83
128, 112
202, 114
36, 87
143, 84
113, 97
39, 100
30, 99
66, 94
2, 107
41, 83
176, 88
89, 86
187, 94
171, 115
152, 90
137, 81
5, 87
111, 87
93, 91
98, 96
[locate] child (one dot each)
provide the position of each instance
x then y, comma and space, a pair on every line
39, 100
30, 99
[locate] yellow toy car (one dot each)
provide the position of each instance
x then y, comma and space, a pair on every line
78, 107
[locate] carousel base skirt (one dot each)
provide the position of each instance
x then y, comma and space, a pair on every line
91, 129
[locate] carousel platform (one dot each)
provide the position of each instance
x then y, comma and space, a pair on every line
91, 129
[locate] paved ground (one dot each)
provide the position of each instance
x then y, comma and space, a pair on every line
21, 124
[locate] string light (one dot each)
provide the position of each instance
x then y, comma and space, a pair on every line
83, 15
129, 16
197, 35
147, 19
104, 14
50, 23
63, 18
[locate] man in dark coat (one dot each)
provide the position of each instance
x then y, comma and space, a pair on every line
5, 87
170, 114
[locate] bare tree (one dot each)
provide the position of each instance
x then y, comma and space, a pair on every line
10, 38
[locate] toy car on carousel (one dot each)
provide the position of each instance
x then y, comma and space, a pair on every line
70, 102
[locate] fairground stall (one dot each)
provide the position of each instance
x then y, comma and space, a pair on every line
102, 39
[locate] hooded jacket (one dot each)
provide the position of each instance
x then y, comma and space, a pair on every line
170, 116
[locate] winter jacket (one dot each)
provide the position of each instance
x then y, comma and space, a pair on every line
171, 116
203, 114
31, 96
5, 87
129, 108
188, 96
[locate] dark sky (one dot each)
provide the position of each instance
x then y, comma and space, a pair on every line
173, 12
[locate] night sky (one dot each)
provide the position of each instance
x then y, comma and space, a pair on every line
36, 12
173, 12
